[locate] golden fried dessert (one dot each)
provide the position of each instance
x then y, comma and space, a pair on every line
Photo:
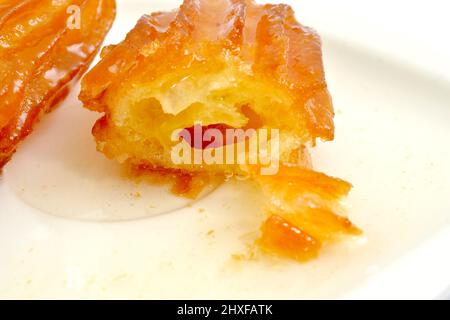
226, 66
44, 44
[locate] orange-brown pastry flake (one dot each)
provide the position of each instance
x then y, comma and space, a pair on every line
44, 44
306, 204
286, 239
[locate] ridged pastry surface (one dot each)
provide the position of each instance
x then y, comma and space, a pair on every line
44, 44
213, 55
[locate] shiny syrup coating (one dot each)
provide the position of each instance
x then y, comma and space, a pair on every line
44, 45
267, 40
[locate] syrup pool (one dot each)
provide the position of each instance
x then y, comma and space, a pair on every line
58, 171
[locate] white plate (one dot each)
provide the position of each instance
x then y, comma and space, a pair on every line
392, 144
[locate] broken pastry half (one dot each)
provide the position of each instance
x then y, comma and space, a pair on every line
44, 45
226, 66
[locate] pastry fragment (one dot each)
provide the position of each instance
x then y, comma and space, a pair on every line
44, 44
226, 64
305, 212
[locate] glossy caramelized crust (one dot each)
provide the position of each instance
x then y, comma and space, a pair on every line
304, 208
226, 64
44, 44
215, 56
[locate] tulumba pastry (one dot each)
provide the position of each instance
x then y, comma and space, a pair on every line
226, 65
44, 45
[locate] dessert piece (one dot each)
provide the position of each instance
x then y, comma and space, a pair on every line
304, 212
221, 65
44, 44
